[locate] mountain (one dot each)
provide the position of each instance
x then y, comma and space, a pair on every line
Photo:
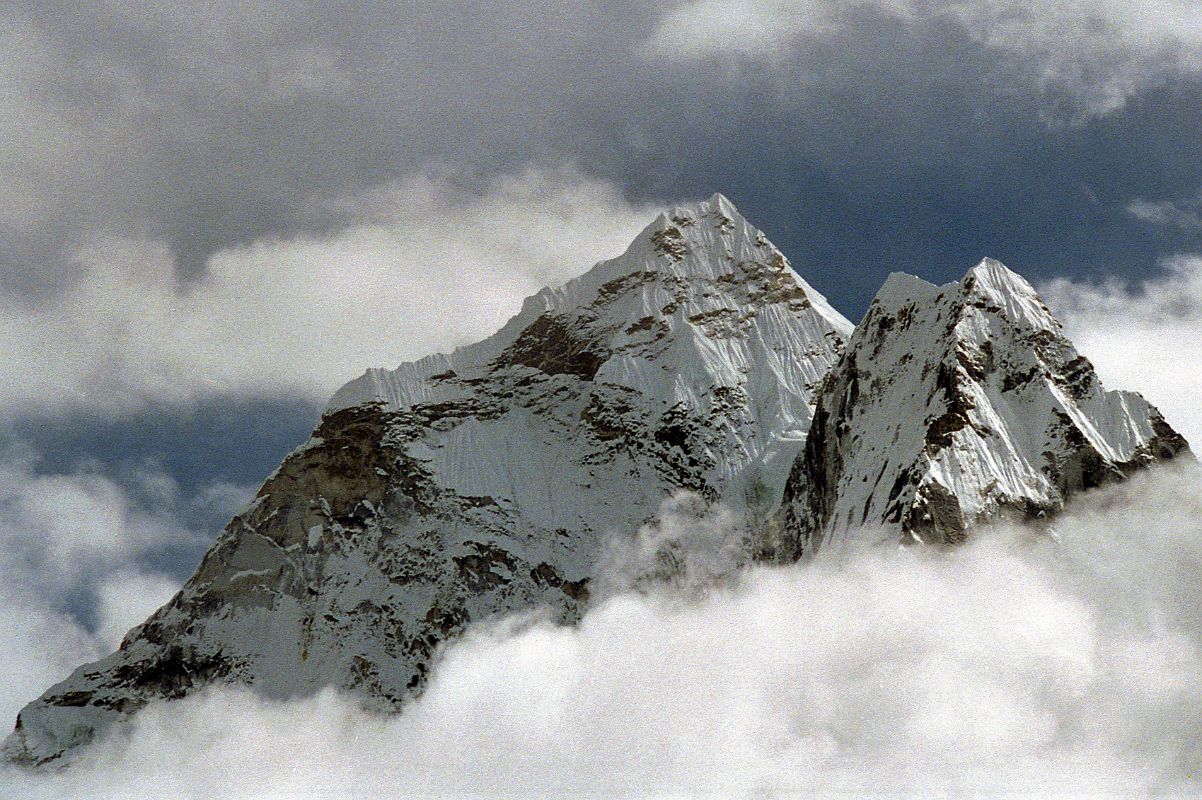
489, 481
482, 482
955, 405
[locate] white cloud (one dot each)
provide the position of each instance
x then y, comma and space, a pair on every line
1185, 215
428, 267
689, 544
40, 643
39, 646
1101, 52
76, 555
1145, 339
1016, 663
61, 528
127, 597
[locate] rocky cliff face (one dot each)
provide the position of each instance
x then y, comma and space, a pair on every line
954, 405
482, 482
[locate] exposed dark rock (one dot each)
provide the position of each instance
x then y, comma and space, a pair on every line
550, 345
669, 242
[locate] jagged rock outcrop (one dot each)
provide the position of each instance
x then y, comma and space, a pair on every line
951, 406
482, 482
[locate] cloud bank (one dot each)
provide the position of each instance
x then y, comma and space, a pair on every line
1038, 664
856, 133
420, 266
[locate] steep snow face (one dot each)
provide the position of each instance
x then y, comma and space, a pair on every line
482, 482
954, 405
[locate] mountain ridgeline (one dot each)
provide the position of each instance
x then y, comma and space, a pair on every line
487, 481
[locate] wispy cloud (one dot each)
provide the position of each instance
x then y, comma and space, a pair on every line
1185, 214
78, 554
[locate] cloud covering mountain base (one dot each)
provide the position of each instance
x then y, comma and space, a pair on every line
1066, 661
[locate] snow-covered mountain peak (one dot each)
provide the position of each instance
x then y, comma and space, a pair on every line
994, 282
988, 281
717, 206
954, 405
707, 238
994, 276
696, 275
484, 481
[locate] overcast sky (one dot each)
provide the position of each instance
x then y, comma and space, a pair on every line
213, 214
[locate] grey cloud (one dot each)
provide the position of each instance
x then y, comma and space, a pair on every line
65, 528
214, 126
1087, 59
211, 128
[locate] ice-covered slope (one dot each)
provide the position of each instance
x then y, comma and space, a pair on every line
954, 405
466, 485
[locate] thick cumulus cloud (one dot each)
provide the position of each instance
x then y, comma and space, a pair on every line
1144, 337
424, 267
1040, 663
